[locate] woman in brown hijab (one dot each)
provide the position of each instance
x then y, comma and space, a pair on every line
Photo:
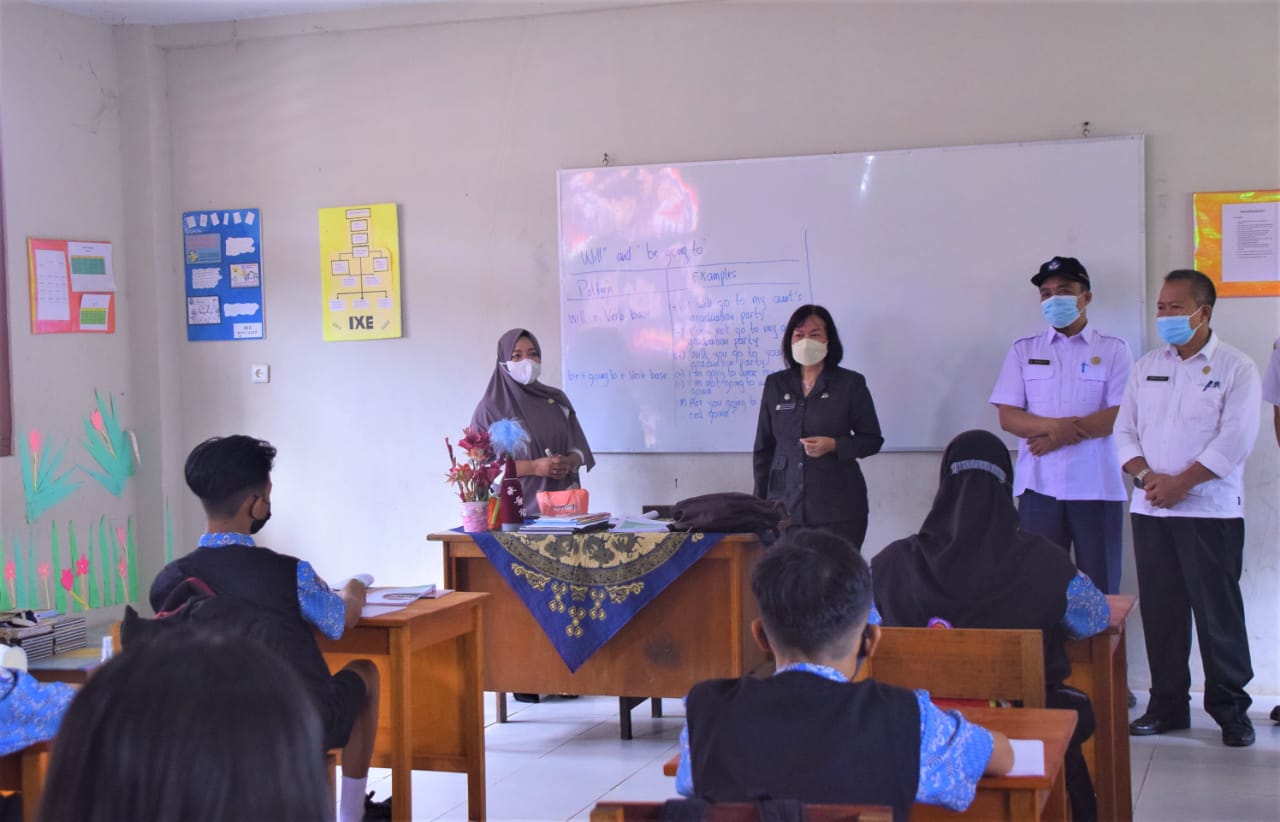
558, 447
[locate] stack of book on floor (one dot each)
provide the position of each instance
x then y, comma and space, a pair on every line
68, 633
567, 525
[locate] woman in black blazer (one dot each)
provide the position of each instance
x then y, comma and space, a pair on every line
816, 421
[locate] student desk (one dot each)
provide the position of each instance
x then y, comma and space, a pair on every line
1100, 668
698, 628
1008, 797
24, 772
431, 716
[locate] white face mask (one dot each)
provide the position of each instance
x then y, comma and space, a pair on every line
524, 371
808, 351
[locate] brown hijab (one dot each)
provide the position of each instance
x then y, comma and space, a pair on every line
541, 409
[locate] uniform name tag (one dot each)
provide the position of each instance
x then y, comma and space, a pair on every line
785, 406
1157, 379
1034, 361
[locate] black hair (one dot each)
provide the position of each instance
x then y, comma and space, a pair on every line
191, 726
223, 471
814, 590
1202, 290
835, 351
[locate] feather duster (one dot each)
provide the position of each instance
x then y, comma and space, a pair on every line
508, 437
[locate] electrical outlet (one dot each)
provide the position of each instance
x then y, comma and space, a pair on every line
260, 373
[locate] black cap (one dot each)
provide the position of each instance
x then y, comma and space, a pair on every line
1068, 267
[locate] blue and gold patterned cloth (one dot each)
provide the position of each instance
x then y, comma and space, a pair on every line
582, 588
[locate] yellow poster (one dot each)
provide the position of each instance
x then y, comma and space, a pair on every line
1237, 241
360, 272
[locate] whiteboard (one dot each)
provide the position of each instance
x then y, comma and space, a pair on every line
677, 280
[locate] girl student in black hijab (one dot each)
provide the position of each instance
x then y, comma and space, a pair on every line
558, 447
972, 566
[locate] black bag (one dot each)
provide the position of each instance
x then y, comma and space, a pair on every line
194, 604
729, 511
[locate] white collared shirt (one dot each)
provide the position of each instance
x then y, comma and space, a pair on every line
1204, 409
1053, 375
1271, 380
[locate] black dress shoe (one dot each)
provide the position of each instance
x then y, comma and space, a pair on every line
1133, 700
1238, 733
1149, 724
534, 698
1275, 714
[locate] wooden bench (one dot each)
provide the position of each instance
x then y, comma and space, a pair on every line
962, 663
739, 812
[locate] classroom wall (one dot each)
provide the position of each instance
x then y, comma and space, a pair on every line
464, 124
60, 114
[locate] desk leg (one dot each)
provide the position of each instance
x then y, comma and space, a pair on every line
1057, 808
1105, 711
473, 718
1123, 788
401, 726
500, 701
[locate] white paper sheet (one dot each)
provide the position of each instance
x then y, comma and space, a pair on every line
53, 299
1028, 757
1250, 242
92, 261
95, 312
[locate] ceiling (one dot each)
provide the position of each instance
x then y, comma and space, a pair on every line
167, 12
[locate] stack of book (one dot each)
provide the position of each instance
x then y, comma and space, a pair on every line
567, 525
36, 640
68, 633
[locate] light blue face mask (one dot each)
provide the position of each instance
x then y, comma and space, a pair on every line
1177, 330
1061, 310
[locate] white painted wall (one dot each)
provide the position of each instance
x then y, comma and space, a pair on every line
464, 125
59, 105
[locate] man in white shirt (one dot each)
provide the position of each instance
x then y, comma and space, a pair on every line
1188, 420
1271, 394
1059, 391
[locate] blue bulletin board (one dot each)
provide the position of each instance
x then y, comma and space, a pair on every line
222, 264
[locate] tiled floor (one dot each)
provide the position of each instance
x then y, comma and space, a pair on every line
555, 760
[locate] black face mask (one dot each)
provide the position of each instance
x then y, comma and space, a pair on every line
862, 645
255, 524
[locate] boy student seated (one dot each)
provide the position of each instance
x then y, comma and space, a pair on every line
232, 477
809, 733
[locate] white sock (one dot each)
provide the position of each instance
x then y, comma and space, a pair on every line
351, 805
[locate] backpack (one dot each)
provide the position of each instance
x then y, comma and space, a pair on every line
194, 604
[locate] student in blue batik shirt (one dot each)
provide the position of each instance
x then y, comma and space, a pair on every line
29, 710
972, 566
232, 478
809, 733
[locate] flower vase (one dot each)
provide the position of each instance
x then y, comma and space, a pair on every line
475, 516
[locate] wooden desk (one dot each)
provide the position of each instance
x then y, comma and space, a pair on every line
698, 628
24, 771
1100, 668
1008, 797
431, 717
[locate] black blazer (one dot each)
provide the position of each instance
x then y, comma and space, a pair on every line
825, 489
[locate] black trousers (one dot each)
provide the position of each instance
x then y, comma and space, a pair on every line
854, 530
1080, 790
1191, 566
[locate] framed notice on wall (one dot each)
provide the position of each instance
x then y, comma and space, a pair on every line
222, 261
72, 286
1237, 241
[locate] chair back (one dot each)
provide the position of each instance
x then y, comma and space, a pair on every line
962, 663
739, 812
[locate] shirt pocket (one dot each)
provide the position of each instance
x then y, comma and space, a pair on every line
1091, 391
1042, 390
1202, 409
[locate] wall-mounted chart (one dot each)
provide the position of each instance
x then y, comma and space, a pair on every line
222, 261
360, 272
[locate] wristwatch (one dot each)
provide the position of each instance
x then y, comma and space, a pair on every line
1138, 477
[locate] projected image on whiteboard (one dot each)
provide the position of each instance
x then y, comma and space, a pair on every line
669, 326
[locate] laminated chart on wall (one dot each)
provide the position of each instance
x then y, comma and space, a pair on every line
360, 272
72, 286
1238, 241
222, 263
